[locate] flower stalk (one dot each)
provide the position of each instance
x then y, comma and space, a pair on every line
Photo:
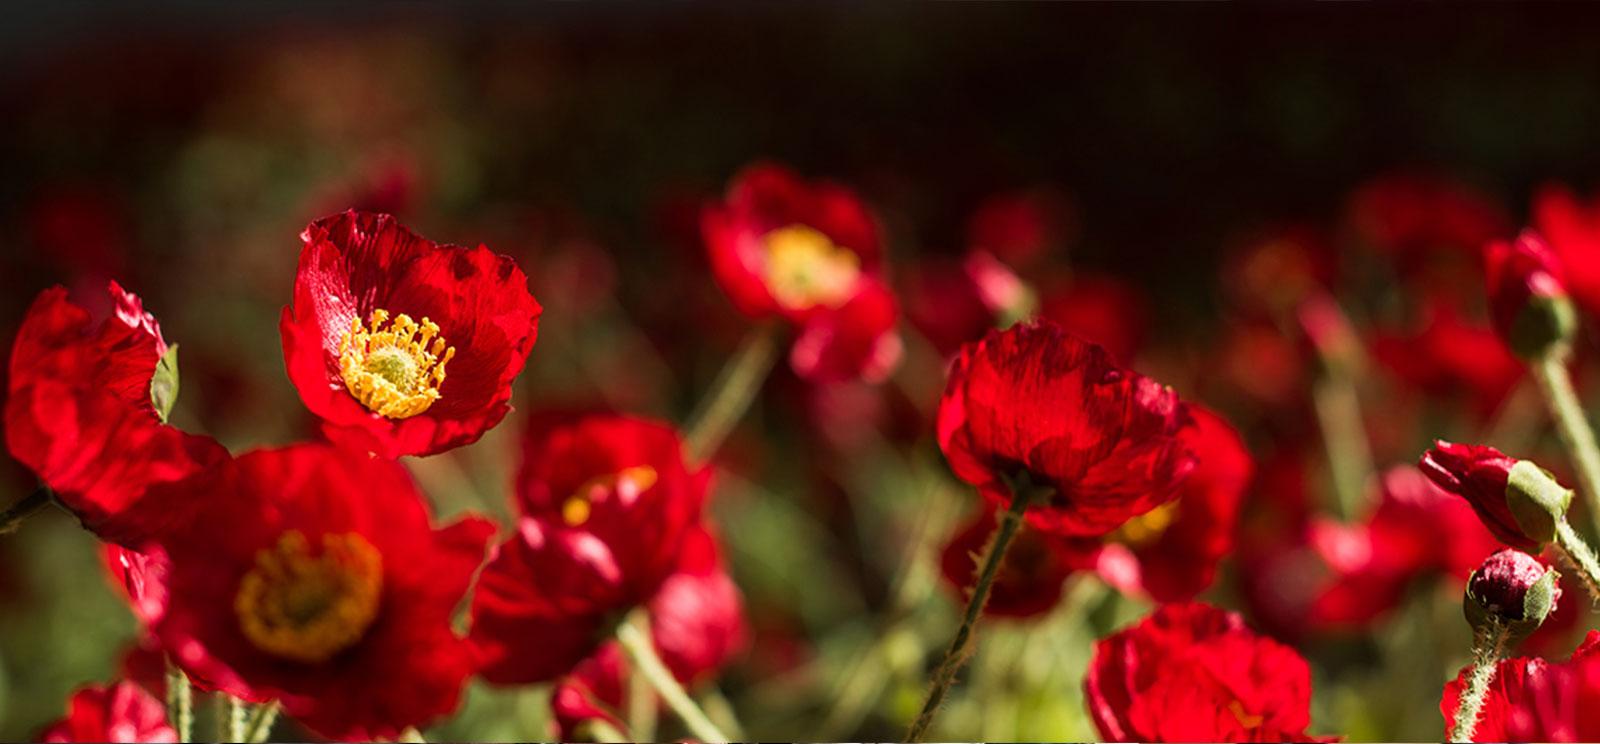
1489, 646
956, 656
13, 517
180, 703
642, 654
736, 386
259, 726
1555, 383
1577, 552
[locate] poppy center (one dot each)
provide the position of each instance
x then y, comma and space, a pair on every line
1147, 527
1247, 720
805, 269
308, 606
626, 485
394, 368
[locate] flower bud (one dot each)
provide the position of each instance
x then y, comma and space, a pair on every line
1511, 590
1527, 295
1517, 500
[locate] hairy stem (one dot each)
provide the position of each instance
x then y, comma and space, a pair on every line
12, 518
1581, 556
645, 662
1550, 371
956, 656
259, 727
736, 386
180, 703
1488, 647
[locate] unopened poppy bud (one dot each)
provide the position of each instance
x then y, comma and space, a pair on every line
1511, 590
1520, 502
1527, 295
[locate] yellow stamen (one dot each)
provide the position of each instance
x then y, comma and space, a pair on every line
627, 485
805, 269
395, 371
308, 607
1247, 720
1147, 527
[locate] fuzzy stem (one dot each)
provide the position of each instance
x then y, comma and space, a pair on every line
259, 728
1581, 556
736, 386
1550, 371
945, 674
12, 518
1487, 649
1344, 437
180, 703
645, 662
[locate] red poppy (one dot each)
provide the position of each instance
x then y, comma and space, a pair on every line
957, 302
318, 581
1171, 553
81, 414
1410, 215
1023, 227
1030, 580
1572, 227
120, 712
1536, 700
1192, 672
1479, 475
403, 346
1039, 401
1527, 294
1450, 356
696, 624
1102, 309
808, 253
610, 509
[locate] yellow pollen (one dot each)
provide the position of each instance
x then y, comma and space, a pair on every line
1247, 720
1147, 527
394, 369
627, 484
309, 607
805, 269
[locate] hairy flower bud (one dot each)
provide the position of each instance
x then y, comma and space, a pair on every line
1512, 590
1517, 500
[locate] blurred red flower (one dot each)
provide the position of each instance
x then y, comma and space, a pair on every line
1171, 552
1411, 215
403, 346
120, 712
1537, 700
319, 581
1451, 356
80, 413
1573, 229
1192, 672
957, 302
810, 254
611, 510
1030, 579
1037, 400
1023, 228
1102, 309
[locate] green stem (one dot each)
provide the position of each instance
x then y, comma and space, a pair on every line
720, 710
259, 728
602, 731
641, 694
1487, 649
1580, 556
645, 662
736, 386
180, 703
956, 656
12, 518
1344, 436
1550, 371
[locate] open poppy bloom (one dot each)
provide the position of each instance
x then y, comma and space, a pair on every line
81, 415
1537, 700
610, 507
1192, 672
810, 254
1035, 400
119, 712
318, 581
403, 346
1171, 553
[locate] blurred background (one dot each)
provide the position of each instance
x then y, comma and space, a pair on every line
1154, 154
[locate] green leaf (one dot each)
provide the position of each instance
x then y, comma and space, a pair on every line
164, 385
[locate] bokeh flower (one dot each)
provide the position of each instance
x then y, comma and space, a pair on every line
119, 712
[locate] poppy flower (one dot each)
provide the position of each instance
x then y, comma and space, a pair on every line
81, 414
1537, 700
1171, 553
1410, 215
810, 254
1036, 400
1527, 294
957, 302
1451, 356
1022, 228
1030, 581
403, 346
609, 508
319, 582
696, 623
1480, 475
1192, 672
1572, 227
119, 712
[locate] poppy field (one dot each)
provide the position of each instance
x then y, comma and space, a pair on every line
800, 373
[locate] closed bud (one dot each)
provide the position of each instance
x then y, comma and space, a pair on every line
1520, 502
1528, 296
1511, 590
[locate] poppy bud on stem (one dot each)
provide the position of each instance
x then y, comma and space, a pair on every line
1023, 492
1507, 598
